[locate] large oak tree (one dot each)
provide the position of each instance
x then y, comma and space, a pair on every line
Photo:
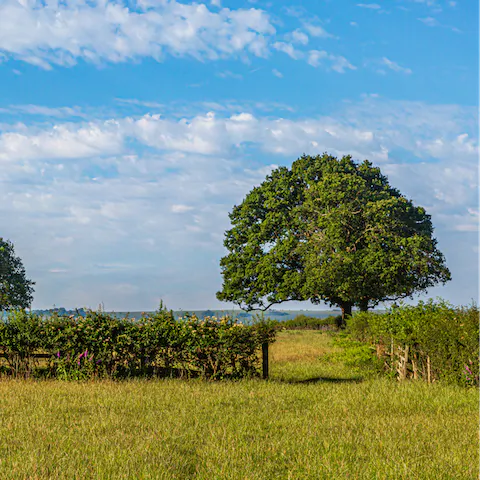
328, 230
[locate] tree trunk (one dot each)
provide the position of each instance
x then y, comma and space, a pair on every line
363, 305
346, 312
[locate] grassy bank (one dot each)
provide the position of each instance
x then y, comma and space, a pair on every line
313, 419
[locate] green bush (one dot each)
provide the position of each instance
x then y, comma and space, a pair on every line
440, 337
20, 337
304, 322
101, 345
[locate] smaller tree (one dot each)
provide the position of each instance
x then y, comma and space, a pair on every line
16, 291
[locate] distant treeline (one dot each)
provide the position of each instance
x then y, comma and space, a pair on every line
277, 315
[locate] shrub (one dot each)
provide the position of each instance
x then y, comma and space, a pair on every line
442, 340
101, 345
304, 322
20, 337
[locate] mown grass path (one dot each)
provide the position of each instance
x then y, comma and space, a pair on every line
312, 420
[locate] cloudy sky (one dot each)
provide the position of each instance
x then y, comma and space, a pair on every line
128, 130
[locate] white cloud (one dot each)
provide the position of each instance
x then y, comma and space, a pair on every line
202, 134
141, 103
317, 31
170, 201
62, 141
181, 208
316, 58
289, 49
337, 63
429, 3
47, 34
467, 227
277, 73
395, 66
59, 112
465, 221
210, 135
58, 270
433, 22
44, 34
112, 266
150, 230
298, 36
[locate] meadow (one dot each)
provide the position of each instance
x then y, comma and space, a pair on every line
315, 418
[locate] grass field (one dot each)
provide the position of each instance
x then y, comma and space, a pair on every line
312, 420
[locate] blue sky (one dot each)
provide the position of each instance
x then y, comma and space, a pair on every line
128, 130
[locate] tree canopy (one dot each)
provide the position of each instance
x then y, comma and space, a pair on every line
328, 230
16, 291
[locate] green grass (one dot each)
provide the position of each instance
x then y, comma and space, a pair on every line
312, 420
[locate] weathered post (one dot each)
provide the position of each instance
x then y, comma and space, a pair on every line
414, 366
402, 363
265, 360
429, 370
392, 355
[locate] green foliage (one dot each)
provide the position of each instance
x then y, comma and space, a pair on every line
264, 328
358, 356
448, 336
101, 345
16, 291
328, 230
20, 337
304, 322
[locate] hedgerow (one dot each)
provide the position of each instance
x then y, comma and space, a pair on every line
304, 322
431, 341
101, 345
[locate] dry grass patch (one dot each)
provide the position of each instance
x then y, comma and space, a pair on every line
300, 346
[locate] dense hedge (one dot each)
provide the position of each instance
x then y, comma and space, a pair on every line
304, 322
442, 340
101, 345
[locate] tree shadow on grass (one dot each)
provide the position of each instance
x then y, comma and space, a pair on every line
325, 380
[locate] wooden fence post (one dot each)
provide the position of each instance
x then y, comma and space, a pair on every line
402, 363
429, 370
392, 355
414, 366
265, 360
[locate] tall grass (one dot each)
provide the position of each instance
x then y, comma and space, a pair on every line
312, 420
